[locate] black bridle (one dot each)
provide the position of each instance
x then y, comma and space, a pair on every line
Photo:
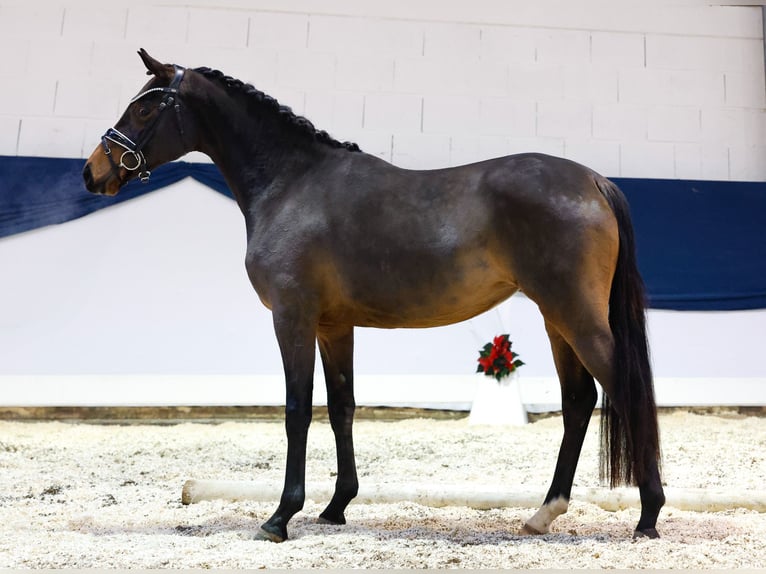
134, 151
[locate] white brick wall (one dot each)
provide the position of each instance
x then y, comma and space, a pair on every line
51, 137
9, 133
655, 90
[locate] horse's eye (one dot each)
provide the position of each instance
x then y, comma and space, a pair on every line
143, 112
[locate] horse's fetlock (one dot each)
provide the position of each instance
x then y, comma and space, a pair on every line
543, 518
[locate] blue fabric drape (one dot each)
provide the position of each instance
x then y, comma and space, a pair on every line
36, 191
701, 244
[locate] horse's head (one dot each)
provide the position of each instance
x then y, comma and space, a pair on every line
149, 133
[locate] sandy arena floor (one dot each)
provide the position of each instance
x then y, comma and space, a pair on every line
108, 496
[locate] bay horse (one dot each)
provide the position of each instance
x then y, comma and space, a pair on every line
337, 238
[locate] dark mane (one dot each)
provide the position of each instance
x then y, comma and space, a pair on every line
285, 114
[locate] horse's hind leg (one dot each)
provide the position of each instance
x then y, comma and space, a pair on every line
337, 349
591, 344
578, 398
597, 353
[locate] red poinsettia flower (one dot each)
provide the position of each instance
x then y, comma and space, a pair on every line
486, 363
497, 359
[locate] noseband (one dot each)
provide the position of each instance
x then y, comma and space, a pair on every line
133, 158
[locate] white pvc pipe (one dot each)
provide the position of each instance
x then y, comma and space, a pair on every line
698, 500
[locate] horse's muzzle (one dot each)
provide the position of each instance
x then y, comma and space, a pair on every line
107, 186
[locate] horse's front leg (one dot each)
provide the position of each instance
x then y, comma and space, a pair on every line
337, 350
297, 339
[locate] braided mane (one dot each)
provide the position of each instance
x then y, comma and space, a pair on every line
285, 114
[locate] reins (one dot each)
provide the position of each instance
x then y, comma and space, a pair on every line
134, 151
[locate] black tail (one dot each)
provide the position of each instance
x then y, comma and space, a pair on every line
629, 430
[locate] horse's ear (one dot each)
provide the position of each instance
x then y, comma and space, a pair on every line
155, 67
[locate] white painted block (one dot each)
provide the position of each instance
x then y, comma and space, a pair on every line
466, 149
647, 159
320, 109
306, 70
117, 61
337, 113
16, 66
224, 28
714, 161
745, 89
344, 35
747, 163
331, 33
108, 21
562, 47
149, 26
617, 50
451, 115
671, 87
51, 137
364, 73
421, 151
431, 76
688, 160
87, 97
62, 56
253, 66
601, 156
680, 52
674, 123
508, 44
505, 116
620, 122
704, 53
489, 78
745, 56
35, 99
278, 30
450, 76
755, 127
687, 18
722, 124
535, 82
587, 83
397, 113
31, 20
564, 119
701, 161
9, 134
458, 40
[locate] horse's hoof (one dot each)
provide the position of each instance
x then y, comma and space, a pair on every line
528, 530
650, 533
325, 518
264, 534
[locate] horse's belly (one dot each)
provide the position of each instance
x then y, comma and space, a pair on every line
417, 307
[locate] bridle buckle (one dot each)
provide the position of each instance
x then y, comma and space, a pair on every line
137, 156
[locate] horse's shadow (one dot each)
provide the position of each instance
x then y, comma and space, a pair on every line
304, 526
475, 530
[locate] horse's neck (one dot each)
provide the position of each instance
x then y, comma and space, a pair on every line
252, 153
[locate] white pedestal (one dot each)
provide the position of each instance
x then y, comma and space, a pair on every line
498, 403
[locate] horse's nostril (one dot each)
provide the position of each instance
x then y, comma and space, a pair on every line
87, 175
